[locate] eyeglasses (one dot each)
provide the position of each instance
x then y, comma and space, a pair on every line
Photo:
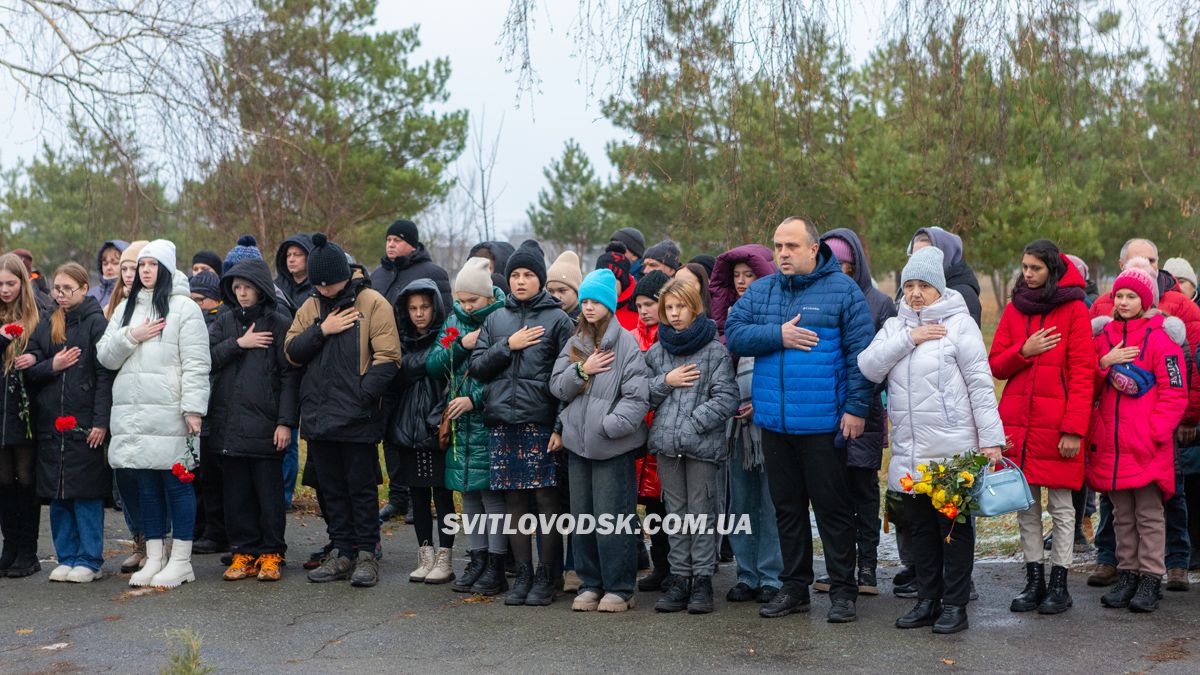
66, 291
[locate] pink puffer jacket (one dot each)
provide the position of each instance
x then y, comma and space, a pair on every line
1130, 441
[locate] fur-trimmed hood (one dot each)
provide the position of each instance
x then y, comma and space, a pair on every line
1173, 327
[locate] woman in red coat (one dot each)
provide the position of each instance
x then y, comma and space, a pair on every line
1044, 349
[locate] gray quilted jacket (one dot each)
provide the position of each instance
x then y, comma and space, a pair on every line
690, 421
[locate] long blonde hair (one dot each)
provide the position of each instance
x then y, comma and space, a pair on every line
23, 311
58, 320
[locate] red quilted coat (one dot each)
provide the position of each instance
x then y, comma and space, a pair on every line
647, 467
1050, 394
1130, 444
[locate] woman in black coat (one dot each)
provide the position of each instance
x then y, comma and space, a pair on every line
73, 396
253, 408
412, 435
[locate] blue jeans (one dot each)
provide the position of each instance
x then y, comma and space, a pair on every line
605, 563
78, 529
291, 467
759, 560
1179, 544
164, 498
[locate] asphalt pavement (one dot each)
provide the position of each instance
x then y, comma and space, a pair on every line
296, 626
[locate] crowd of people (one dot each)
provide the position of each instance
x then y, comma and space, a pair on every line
757, 383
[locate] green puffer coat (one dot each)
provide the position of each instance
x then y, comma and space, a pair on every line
468, 464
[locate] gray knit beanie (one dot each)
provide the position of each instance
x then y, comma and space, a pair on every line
926, 265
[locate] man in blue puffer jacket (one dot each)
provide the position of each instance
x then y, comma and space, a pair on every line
804, 326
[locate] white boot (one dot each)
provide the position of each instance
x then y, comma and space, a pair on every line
60, 573
83, 575
179, 567
443, 568
153, 564
424, 564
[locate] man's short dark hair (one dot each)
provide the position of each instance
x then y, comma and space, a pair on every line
810, 227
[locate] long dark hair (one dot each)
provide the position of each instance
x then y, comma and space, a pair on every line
161, 298
1047, 252
701, 273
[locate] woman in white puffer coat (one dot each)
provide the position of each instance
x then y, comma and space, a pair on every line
158, 342
942, 403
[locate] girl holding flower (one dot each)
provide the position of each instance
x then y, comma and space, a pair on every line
19, 509
942, 404
74, 397
468, 462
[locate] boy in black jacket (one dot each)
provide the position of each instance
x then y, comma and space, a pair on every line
254, 407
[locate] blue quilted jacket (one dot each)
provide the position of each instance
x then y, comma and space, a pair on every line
794, 391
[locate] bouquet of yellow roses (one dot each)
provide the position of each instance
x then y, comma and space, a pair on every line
948, 484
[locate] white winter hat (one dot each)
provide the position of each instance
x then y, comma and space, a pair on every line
1180, 269
161, 250
474, 277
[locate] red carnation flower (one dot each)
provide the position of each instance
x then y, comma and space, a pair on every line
13, 330
64, 424
187, 477
178, 469
450, 337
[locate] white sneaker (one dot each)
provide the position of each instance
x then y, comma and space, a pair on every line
588, 601
153, 564
425, 563
179, 567
60, 573
82, 575
443, 567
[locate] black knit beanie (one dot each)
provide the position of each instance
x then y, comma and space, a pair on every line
650, 286
327, 262
665, 252
406, 230
706, 261
209, 258
614, 259
529, 256
632, 239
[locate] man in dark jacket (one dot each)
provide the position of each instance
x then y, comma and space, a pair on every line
959, 274
291, 268
405, 261
864, 455
345, 338
805, 326
255, 406
496, 253
209, 485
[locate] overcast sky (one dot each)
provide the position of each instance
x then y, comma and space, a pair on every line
535, 126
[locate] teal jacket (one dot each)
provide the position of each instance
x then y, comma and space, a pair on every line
468, 463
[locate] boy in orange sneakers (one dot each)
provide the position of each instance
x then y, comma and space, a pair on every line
253, 409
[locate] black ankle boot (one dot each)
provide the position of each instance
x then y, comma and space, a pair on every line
492, 581
1035, 589
701, 599
28, 517
1123, 592
952, 620
925, 613
1145, 600
675, 599
476, 564
522, 584
654, 581
1058, 599
7, 556
542, 591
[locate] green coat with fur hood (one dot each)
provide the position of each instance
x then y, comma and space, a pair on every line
468, 463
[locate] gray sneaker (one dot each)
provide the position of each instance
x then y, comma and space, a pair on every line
366, 570
335, 567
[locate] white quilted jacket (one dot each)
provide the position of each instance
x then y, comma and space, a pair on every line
157, 381
941, 396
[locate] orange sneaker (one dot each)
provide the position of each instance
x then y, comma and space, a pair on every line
243, 566
268, 567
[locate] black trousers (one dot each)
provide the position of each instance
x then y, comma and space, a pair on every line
255, 515
808, 468
348, 473
210, 496
399, 494
863, 490
943, 569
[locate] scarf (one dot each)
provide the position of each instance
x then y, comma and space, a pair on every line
1031, 301
689, 340
745, 435
248, 315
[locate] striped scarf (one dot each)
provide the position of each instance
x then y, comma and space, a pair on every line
745, 434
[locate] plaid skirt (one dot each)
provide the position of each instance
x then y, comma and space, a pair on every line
520, 458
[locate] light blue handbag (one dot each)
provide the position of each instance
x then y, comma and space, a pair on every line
999, 492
